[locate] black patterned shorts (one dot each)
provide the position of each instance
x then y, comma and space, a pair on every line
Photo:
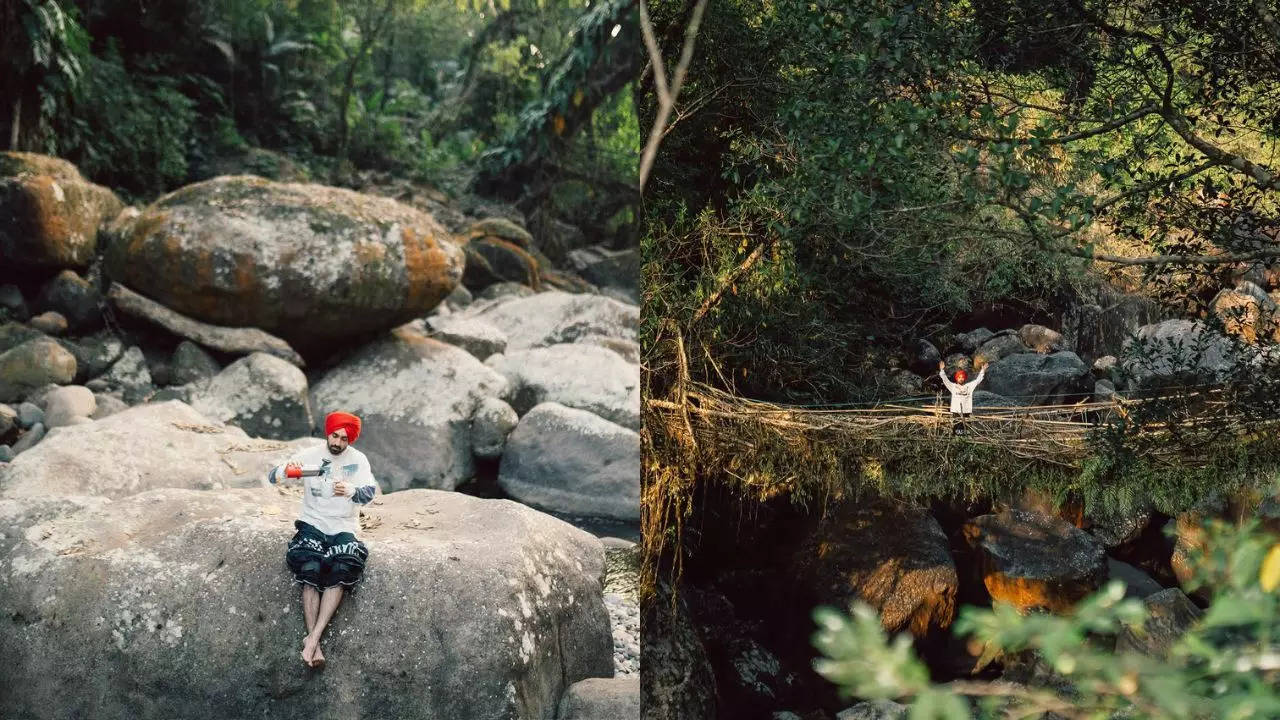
325, 561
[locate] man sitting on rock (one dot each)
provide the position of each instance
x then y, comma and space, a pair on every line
961, 395
325, 555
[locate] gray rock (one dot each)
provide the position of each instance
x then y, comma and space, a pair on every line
969, 342
260, 394
573, 462
49, 323
190, 363
999, 347
234, 340
1137, 584
555, 317
924, 358
34, 364
1170, 613
1041, 339
12, 302
108, 405
458, 299
1035, 379
955, 361
785, 715
94, 354
6, 454
1174, 351
1103, 391
502, 228
28, 440
174, 582
1032, 561
478, 337
984, 399
586, 377
616, 698
1113, 526
68, 402
628, 350
492, 422
8, 419
186, 393
129, 375
601, 266
1104, 367
170, 445
29, 414
874, 710
500, 290
75, 298
39, 395
415, 396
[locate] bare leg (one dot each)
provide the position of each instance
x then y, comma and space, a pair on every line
310, 609
328, 605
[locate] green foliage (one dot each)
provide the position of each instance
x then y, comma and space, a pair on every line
1225, 666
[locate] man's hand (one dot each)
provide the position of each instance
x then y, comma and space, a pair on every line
941, 364
339, 489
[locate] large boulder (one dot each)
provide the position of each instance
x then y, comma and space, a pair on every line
554, 317
602, 266
587, 377
616, 698
416, 397
1174, 351
1170, 613
1000, 346
1040, 338
181, 603
130, 376
1248, 313
260, 394
1032, 561
894, 558
34, 364
492, 260
1035, 379
49, 214
573, 462
310, 263
149, 446
924, 358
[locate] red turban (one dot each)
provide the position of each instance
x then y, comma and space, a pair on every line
335, 420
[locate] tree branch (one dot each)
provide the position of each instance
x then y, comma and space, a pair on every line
667, 94
728, 282
1106, 127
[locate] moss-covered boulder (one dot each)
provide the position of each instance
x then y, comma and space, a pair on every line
49, 214
310, 263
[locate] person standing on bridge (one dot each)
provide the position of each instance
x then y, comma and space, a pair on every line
961, 395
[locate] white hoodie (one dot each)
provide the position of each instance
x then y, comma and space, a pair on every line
962, 395
336, 513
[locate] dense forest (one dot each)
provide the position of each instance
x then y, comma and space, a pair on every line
1079, 197
525, 101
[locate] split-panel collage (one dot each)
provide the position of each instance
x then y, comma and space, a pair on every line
622, 359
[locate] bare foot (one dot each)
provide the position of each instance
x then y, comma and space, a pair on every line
310, 645
317, 659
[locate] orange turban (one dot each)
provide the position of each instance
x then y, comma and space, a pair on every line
335, 420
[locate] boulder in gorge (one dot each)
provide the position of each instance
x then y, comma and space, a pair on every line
190, 363
150, 446
1175, 351
554, 317
187, 590
313, 264
49, 214
969, 342
1032, 561
416, 397
1041, 339
129, 375
616, 698
586, 377
1035, 379
604, 267
895, 558
66, 403
924, 358
573, 462
1170, 614
502, 228
492, 422
233, 340
491, 260
34, 364
1000, 346
260, 394
676, 680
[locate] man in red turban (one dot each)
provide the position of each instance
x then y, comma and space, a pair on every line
325, 555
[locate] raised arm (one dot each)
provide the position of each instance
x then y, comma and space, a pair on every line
946, 381
982, 371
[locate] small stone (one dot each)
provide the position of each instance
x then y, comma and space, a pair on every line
191, 363
8, 419
66, 403
491, 423
29, 439
11, 300
29, 414
107, 405
6, 453
50, 323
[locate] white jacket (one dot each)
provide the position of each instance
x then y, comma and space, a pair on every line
332, 514
962, 395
